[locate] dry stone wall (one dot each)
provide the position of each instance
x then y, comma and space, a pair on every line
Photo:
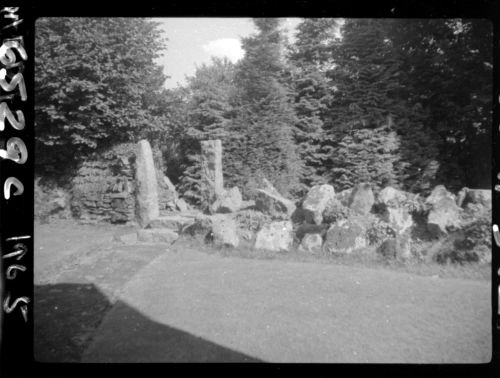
103, 188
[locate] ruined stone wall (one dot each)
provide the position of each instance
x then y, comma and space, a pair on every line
103, 188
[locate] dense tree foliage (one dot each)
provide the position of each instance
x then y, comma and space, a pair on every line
311, 56
389, 101
209, 113
93, 77
263, 131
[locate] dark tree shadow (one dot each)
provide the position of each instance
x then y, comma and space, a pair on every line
67, 315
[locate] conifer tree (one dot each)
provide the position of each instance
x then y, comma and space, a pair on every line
264, 128
361, 132
311, 57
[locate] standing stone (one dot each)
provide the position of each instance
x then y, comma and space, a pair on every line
147, 187
315, 202
362, 199
212, 185
275, 236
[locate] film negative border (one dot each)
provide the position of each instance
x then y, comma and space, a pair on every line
16, 180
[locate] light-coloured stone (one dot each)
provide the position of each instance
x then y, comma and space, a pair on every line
480, 197
316, 201
275, 236
444, 214
392, 197
182, 205
170, 187
344, 196
224, 230
212, 184
311, 243
274, 204
157, 236
147, 187
230, 201
362, 199
345, 236
394, 212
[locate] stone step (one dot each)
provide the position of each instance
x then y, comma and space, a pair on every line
171, 222
157, 236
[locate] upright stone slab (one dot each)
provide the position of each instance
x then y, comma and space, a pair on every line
147, 187
211, 170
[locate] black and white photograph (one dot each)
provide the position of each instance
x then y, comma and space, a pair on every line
268, 190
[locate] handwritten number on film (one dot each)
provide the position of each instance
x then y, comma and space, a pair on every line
16, 150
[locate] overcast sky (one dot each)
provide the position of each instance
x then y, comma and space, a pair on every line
192, 41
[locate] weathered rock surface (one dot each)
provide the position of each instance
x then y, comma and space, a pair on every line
394, 211
274, 204
147, 187
157, 236
362, 199
444, 214
316, 201
344, 196
212, 184
224, 231
481, 197
230, 201
311, 243
275, 236
345, 236
181, 205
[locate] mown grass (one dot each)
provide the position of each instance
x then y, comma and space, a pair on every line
367, 258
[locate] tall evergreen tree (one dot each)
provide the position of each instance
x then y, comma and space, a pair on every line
361, 132
264, 128
311, 57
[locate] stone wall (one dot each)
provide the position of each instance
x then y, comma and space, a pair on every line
103, 188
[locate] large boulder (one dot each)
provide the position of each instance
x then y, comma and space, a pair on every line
392, 197
273, 204
224, 231
147, 187
362, 199
444, 214
345, 236
316, 201
275, 236
392, 203
311, 243
230, 201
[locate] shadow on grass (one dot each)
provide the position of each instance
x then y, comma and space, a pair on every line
66, 316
